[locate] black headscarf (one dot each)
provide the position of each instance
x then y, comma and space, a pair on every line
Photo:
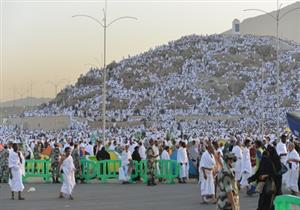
266, 167
274, 157
136, 155
102, 154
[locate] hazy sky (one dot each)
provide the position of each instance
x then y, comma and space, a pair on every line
42, 43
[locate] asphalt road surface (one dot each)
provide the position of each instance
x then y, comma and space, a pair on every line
112, 196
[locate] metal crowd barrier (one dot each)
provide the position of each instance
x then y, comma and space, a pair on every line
104, 170
167, 170
38, 168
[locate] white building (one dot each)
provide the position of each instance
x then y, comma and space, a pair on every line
235, 26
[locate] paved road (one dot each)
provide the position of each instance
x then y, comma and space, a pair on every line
113, 196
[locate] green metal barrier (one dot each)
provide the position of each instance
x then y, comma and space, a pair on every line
88, 169
167, 170
107, 169
287, 202
143, 169
37, 168
135, 172
104, 170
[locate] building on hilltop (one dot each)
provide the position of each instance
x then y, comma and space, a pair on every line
235, 26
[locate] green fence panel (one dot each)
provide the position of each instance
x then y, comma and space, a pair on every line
37, 168
166, 170
107, 169
29, 168
104, 170
135, 171
287, 202
88, 169
143, 169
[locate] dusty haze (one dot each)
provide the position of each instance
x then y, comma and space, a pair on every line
42, 43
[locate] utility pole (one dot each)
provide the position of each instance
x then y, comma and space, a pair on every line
103, 23
278, 17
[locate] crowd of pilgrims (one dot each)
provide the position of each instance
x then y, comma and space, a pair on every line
244, 159
255, 160
181, 82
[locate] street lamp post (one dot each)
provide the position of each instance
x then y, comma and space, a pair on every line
21, 94
31, 90
278, 17
14, 96
56, 84
104, 25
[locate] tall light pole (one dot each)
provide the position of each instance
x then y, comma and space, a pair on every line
14, 96
278, 17
21, 93
55, 84
31, 92
103, 23
30, 89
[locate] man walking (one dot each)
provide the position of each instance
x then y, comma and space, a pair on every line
126, 163
182, 159
207, 182
68, 169
16, 163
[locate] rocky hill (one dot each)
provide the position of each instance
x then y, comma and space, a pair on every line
217, 75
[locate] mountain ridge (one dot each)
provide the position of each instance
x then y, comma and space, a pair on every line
28, 101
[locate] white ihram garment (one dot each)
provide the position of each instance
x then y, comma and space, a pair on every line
142, 152
207, 186
18, 170
293, 172
237, 151
246, 167
69, 176
126, 157
165, 155
156, 153
182, 159
281, 149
